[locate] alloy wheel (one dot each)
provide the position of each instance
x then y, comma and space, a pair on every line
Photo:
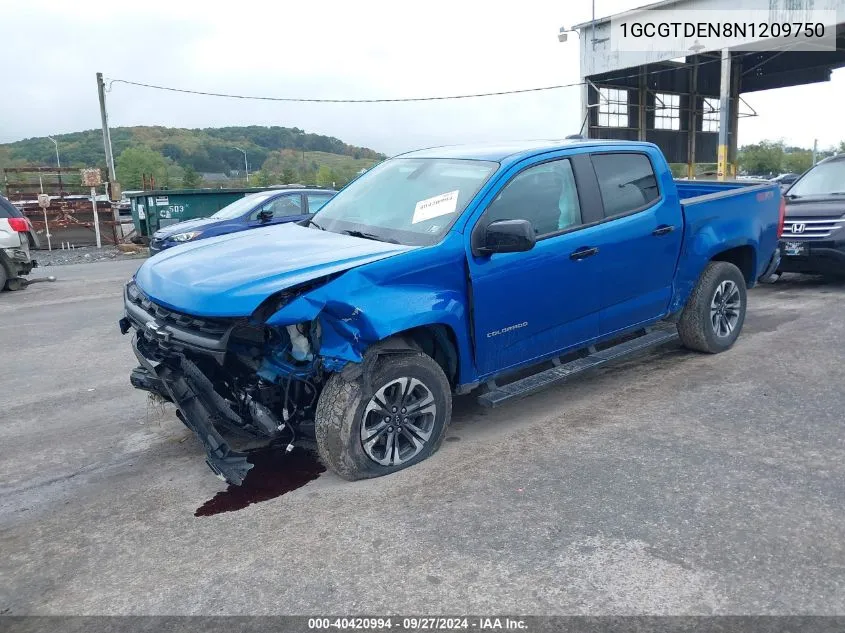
725, 308
398, 421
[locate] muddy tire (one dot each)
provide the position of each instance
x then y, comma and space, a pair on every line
715, 311
397, 420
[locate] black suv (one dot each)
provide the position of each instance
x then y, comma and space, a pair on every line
813, 238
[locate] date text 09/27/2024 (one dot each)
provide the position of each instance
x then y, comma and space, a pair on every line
418, 623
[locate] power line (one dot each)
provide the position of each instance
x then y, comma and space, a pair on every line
312, 100
394, 100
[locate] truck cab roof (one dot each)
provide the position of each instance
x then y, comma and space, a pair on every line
513, 151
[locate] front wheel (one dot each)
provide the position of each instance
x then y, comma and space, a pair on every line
397, 420
715, 311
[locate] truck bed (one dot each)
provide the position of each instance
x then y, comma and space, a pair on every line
718, 216
695, 188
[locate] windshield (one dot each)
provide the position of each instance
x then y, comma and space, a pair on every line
239, 207
823, 179
409, 201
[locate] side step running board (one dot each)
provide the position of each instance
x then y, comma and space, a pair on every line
537, 382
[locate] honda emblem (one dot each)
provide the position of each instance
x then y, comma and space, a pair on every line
798, 227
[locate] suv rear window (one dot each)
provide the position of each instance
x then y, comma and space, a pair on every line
8, 210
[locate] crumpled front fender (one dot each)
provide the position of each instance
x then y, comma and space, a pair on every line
371, 303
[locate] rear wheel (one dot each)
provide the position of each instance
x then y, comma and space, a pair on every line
715, 311
4, 276
397, 421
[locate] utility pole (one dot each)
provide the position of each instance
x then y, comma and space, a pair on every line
815, 149
101, 93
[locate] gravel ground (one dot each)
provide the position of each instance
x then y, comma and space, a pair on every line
84, 255
673, 483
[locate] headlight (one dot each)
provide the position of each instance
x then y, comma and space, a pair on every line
132, 291
185, 237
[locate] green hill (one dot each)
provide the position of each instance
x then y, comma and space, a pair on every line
177, 156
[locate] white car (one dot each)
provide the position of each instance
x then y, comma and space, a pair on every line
16, 237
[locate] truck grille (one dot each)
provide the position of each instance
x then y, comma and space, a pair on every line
216, 327
810, 228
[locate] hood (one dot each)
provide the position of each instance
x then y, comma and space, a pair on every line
816, 206
182, 227
231, 275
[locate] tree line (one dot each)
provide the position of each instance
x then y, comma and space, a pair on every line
135, 165
770, 158
176, 156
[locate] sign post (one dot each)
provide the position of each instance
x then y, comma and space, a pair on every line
92, 178
44, 202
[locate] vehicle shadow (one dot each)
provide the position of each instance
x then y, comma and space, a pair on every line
793, 281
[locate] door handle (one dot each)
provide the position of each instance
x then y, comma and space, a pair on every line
663, 229
583, 252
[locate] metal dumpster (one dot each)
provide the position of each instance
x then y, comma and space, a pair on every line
152, 210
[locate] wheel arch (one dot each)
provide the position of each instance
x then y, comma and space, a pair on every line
743, 257
436, 340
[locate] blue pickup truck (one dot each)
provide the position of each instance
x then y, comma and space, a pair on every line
502, 269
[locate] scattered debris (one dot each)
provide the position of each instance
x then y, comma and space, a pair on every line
132, 248
87, 254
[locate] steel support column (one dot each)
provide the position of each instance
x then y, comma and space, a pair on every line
693, 118
724, 115
733, 153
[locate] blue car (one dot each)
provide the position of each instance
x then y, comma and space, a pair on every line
257, 209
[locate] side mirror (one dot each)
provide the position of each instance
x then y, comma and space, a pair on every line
507, 236
265, 216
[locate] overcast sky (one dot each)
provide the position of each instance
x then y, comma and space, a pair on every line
329, 48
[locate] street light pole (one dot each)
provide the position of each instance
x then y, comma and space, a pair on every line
246, 164
58, 168
56, 143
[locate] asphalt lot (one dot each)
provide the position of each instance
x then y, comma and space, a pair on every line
677, 483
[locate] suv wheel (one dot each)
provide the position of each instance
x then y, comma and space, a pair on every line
715, 311
398, 422
15, 283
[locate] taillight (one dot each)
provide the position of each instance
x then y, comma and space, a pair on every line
21, 225
781, 216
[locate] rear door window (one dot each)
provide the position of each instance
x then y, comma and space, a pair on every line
627, 182
280, 207
317, 200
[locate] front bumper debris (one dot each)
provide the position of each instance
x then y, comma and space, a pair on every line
164, 342
199, 408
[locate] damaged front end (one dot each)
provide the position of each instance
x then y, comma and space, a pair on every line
238, 383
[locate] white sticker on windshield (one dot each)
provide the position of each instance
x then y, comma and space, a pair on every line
444, 204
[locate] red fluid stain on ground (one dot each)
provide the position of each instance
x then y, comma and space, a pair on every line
273, 474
